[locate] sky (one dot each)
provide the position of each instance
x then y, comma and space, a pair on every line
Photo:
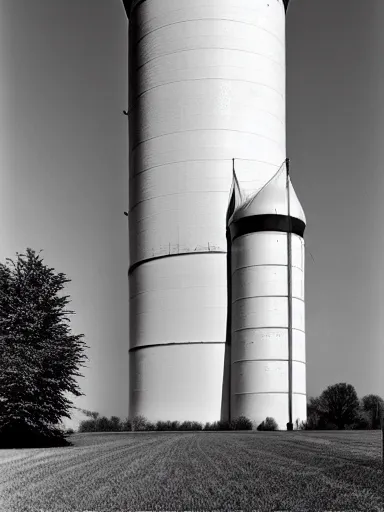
64, 175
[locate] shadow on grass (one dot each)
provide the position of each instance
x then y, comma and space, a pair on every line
33, 440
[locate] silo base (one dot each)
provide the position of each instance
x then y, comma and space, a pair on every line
180, 382
258, 406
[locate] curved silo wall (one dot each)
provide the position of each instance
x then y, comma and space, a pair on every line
207, 84
260, 384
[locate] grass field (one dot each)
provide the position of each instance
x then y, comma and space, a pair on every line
198, 471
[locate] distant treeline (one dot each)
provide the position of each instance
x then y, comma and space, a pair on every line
140, 423
338, 407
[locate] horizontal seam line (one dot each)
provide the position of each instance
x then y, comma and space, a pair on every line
172, 309
209, 48
133, 267
258, 110
251, 234
179, 289
208, 19
264, 360
139, 2
202, 160
266, 265
135, 98
179, 193
266, 297
141, 347
266, 327
268, 393
244, 132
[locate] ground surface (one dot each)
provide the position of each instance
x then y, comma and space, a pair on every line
298, 471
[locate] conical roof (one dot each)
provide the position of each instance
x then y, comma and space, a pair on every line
271, 199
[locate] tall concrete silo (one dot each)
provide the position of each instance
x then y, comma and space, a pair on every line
267, 258
206, 85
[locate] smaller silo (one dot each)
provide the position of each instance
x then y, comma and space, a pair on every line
268, 377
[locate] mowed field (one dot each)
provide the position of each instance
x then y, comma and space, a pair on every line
198, 471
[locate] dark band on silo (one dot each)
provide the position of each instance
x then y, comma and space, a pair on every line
257, 223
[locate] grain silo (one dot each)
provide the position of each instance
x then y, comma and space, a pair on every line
206, 85
267, 259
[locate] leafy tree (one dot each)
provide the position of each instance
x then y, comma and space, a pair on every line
362, 421
90, 414
115, 424
139, 423
196, 425
222, 425
190, 425
268, 424
103, 424
166, 426
126, 425
373, 405
39, 357
87, 426
339, 405
241, 423
186, 425
315, 415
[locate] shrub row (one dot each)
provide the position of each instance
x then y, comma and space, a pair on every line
361, 422
140, 423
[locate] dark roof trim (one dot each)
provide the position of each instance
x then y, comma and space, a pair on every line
129, 3
273, 222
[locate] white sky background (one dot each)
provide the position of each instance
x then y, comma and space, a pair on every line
64, 179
